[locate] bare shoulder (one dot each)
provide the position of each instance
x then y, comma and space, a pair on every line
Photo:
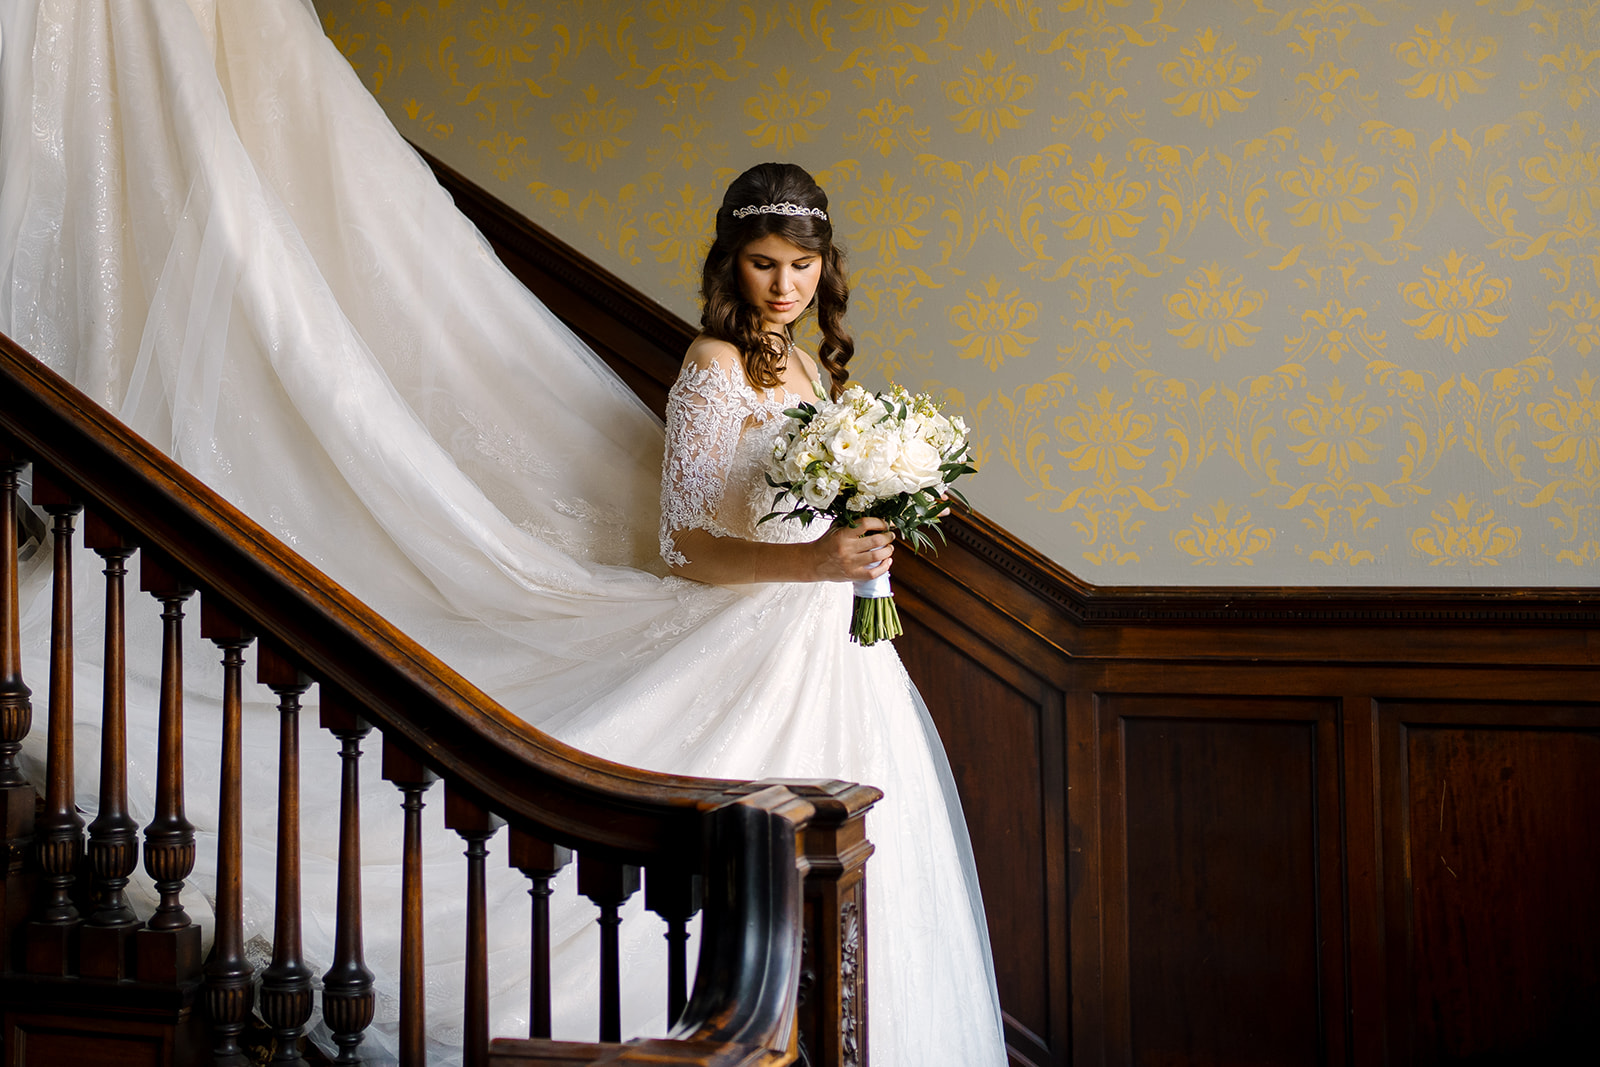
706, 352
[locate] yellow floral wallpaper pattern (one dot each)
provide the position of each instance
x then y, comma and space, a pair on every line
1231, 291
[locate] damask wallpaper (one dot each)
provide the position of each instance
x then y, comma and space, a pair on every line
1231, 291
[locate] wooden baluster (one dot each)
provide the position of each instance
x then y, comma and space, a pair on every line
609, 885
285, 996
412, 778
106, 939
477, 825
58, 828
168, 948
540, 861
675, 895
228, 973
348, 1000
16, 716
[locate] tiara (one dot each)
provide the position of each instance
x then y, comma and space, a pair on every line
784, 208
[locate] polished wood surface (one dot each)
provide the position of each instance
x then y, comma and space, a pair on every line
58, 828
168, 945
348, 997
413, 779
1228, 830
284, 995
113, 847
609, 885
540, 862
228, 973
476, 825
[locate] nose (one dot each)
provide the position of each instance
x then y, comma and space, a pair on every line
782, 280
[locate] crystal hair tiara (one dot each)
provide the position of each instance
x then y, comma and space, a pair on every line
784, 208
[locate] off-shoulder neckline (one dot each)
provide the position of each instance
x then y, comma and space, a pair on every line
777, 395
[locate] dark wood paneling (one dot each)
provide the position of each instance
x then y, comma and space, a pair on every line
1221, 874
1494, 871
53, 1047
1220, 865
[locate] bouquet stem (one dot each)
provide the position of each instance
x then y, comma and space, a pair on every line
874, 617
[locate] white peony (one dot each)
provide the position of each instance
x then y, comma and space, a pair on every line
872, 465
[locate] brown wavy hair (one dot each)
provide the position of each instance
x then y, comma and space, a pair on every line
727, 316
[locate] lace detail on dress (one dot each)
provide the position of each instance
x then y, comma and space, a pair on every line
713, 473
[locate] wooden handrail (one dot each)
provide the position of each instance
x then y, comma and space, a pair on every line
756, 839
457, 728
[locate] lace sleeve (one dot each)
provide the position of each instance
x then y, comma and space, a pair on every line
706, 411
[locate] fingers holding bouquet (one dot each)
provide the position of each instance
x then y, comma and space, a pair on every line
857, 553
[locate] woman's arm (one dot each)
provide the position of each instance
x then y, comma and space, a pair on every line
841, 555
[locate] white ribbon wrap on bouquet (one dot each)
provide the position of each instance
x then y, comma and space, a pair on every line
873, 589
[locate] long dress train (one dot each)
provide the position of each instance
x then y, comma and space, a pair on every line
208, 225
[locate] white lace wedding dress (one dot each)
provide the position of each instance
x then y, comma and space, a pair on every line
208, 225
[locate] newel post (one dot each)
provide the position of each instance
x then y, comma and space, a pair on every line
833, 955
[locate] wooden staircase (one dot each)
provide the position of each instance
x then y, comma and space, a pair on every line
773, 870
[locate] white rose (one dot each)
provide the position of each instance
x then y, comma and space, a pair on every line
917, 466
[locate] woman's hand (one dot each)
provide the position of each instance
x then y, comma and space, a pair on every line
855, 554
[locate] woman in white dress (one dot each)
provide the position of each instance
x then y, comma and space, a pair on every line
208, 225
772, 260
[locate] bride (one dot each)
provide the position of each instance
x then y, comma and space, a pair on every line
209, 226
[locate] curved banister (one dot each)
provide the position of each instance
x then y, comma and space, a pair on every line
750, 842
451, 724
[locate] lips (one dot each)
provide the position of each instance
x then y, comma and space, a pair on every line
781, 306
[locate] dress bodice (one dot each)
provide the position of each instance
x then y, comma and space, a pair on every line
720, 435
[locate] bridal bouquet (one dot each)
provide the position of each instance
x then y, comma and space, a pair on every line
890, 455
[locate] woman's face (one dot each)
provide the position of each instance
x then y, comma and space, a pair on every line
778, 278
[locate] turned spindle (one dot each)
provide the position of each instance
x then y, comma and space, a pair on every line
348, 1000
168, 948
105, 943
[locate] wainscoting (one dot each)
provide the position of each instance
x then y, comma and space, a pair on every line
1237, 827
1271, 827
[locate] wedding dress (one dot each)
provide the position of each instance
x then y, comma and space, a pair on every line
209, 226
